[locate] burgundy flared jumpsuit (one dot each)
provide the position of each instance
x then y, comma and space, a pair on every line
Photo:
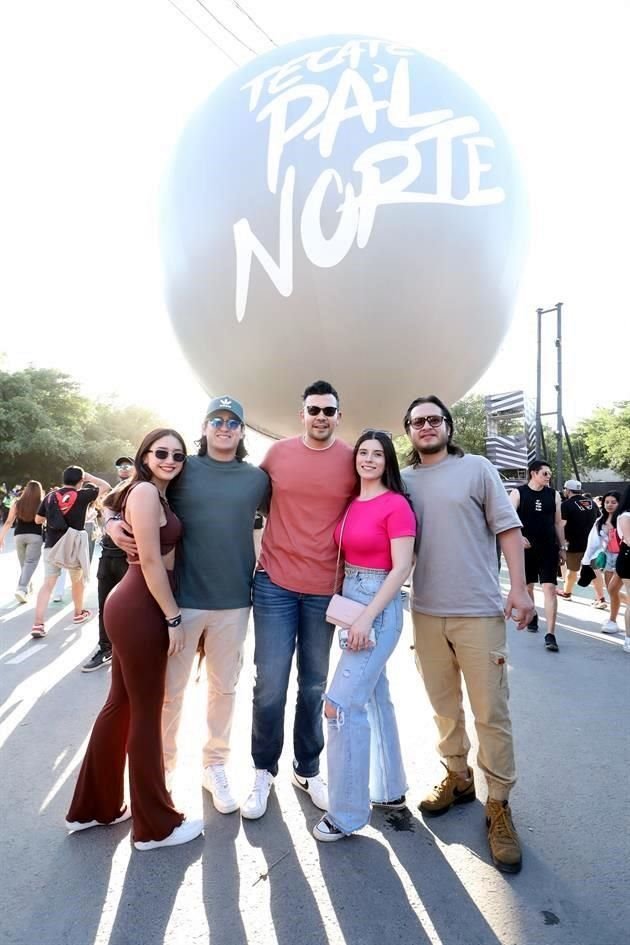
130, 722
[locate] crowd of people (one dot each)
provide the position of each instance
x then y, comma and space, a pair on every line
345, 528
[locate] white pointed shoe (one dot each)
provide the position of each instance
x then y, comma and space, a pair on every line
215, 782
315, 787
74, 825
187, 830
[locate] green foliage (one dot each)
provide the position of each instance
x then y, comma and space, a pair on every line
469, 417
606, 435
46, 424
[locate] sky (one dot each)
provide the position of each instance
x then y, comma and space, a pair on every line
95, 96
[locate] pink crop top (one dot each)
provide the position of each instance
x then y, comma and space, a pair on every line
371, 525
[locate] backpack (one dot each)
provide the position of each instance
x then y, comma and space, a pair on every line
58, 505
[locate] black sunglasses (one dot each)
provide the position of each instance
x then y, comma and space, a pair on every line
434, 421
161, 453
313, 411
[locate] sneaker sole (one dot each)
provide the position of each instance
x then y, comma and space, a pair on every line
75, 826
383, 806
437, 812
328, 837
195, 832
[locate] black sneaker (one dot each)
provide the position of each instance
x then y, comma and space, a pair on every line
399, 803
550, 643
101, 658
532, 626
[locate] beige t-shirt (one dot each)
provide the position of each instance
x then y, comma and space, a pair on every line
310, 490
461, 506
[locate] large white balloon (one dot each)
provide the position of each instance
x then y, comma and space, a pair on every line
347, 209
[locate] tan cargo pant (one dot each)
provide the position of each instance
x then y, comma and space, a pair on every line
223, 632
447, 648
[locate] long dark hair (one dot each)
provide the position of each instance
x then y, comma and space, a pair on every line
27, 505
391, 477
603, 518
116, 499
413, 458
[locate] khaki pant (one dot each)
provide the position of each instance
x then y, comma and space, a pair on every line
447, 648
223, 633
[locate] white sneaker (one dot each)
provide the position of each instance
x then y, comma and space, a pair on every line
215, 781
610, 627
626, 644
74, 825
56, 599
256, 804
187, 830
315, 787
21, 596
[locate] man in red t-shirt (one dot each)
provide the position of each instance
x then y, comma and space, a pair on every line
312, 479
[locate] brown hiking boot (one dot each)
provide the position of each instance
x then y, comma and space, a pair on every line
505, 848
454, 789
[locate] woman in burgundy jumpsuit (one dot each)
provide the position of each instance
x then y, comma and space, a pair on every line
143, 622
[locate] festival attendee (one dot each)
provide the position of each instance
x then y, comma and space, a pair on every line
376, 537
312, 479
112, 567
538, 507
621, 522
601, 554
63, 512
579, 513
216, 499
459, 626
28, 535
144, 624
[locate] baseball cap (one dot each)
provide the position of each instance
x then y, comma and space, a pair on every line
226, 403
123, 459
574, 485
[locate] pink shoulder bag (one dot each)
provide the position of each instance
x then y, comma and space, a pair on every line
341, 611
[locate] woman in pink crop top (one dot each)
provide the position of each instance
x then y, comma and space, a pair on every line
376, 536
143, 622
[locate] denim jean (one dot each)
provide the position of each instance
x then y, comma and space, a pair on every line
29, 549
364, 758
286, 622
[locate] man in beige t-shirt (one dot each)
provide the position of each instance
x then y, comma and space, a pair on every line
312, 479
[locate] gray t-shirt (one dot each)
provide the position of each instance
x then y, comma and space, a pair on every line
461, 506
216, 503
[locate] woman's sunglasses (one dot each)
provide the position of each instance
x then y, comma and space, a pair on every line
161, 453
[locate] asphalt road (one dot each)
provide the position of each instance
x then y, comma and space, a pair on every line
264, 882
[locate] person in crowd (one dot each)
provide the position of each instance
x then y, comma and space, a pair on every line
621, 523
143, 622
376, 538
216, 499
601, 555
459, 627
312, 479
112, 567
63, 512
579, 513
538, 507
28, 535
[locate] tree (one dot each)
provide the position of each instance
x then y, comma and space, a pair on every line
606, 435
46, 424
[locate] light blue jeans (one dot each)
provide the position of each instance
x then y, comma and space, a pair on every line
364, 758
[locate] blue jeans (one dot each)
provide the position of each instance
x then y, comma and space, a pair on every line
285, 621
364, 757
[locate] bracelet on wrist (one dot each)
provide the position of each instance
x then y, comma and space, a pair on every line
174, 621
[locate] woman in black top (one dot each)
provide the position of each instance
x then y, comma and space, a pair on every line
28, 535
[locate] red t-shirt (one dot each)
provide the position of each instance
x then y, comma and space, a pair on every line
370, 526
310, 488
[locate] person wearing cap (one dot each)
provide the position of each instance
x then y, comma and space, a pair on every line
112, 567
216, 499
578, 513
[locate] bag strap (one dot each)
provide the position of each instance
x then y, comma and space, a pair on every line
343, 522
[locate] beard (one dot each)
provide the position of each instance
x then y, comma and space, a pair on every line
428, 449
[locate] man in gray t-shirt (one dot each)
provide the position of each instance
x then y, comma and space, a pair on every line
459, 617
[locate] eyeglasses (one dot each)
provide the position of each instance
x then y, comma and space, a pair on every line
161, 453
217, 423
314, 411
434, 421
